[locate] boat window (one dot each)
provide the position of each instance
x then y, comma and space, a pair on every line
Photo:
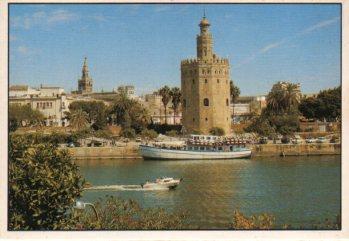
195, 148
208, 138
190, 148
202, 148
220, 148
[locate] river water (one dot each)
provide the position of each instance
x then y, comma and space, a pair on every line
296, 190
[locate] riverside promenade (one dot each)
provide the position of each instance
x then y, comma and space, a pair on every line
130, 150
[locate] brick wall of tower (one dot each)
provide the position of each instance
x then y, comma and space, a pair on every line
211, 81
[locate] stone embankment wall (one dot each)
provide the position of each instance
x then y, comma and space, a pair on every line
121, 152
296, 149
131, 150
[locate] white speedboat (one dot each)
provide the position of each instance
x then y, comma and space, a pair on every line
162, 183
198, 147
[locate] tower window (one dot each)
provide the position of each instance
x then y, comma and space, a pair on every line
205, 81
206, 102
193, 119
184, 103
206, 119
217, 81
227, 102
193, 81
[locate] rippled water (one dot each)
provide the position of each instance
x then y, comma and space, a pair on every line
296, 190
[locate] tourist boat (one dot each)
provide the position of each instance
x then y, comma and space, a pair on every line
198, 147
161, 183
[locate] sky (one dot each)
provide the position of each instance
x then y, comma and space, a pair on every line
143, 44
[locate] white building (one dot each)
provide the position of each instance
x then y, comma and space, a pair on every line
128, 89
51, 101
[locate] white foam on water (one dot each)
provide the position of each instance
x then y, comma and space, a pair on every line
124, 188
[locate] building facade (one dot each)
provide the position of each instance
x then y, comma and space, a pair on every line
50, 101
205, 87
86, 82
152, 102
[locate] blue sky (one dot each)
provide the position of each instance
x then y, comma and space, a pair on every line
143, 44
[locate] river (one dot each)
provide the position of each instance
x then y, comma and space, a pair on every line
296, 190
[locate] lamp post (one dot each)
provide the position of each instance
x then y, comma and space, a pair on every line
82, 205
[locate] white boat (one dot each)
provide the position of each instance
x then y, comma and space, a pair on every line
198, 147
162, 183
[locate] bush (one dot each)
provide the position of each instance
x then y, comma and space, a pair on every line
43, 185
117, 214
217, 131
128, 133
172, 133
263, 221
163, 128
148, 134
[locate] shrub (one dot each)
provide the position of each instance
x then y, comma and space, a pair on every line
118, 214
217, 131
128, 133
263, 221
148, 134
43, 185
172, 133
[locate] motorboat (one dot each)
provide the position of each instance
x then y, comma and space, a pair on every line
198, 147
162, 183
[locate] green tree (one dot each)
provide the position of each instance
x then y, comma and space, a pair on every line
329, 104
309, 107
165, 93
19, 114
97, 112
130, 113
283, 97
78, 119
43, 185
234, 93
176, 95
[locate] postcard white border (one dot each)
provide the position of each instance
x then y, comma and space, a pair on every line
173, 235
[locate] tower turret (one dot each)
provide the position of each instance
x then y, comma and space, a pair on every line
85, 83
204, 40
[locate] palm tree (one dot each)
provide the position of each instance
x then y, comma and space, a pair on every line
176, 100
234, 93
121, 107
78, 119
166, 97
293, 95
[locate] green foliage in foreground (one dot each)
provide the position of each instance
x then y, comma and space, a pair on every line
117, 214
146, 133
43, 185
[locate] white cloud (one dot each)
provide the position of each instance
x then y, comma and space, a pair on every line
320, 25
269, 47
61, 16
280, 43
23, 50
42, 18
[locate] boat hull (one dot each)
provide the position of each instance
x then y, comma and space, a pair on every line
149, 152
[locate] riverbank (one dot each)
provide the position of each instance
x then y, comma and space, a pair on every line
130, 150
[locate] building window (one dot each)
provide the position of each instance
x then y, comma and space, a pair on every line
227, 102
206, 119
193, 81
193, 119
205, 81
184, 103
37, 105
206, 102
217, 81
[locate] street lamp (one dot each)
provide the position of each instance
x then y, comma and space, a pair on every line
82, 205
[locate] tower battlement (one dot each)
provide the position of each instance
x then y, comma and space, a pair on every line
205, 84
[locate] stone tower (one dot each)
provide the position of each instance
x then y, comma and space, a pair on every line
205, 87
85, 83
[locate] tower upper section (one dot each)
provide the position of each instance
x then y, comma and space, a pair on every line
204, 40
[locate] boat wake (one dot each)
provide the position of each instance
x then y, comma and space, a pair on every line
124, 188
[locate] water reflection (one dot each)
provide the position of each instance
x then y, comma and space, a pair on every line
296, 190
